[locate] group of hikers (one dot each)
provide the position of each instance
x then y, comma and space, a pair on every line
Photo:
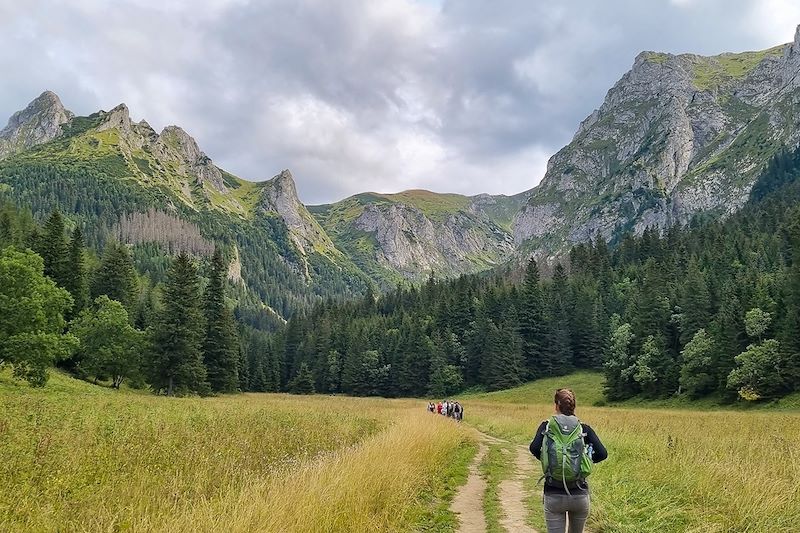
447, 408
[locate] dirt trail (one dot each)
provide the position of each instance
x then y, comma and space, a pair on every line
513, 494
468, 503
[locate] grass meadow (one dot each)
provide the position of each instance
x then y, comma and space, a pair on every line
76, 457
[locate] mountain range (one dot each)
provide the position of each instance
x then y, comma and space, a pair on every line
677, 136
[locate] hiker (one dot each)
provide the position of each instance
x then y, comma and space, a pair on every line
439, 408
567, 449
444, 407
431, 407
450, 409
457, 412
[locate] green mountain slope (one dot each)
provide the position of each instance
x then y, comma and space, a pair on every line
677, 136
118, 178
416, 233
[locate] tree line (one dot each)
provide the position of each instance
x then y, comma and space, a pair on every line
708, 309
102, 322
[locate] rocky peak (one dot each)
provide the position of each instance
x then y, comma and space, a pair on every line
38, 123
279, 195
675, 136
176, 144
119, 118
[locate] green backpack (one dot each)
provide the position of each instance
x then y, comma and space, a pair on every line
565, 457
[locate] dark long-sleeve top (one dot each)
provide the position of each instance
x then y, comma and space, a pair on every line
599, 453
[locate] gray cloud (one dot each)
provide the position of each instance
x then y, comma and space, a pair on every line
352, 95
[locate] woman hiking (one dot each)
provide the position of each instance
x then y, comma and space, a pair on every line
567, 449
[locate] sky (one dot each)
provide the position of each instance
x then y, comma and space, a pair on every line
463, 96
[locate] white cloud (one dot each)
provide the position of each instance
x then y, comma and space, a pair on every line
457, 95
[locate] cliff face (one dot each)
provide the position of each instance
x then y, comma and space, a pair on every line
676, 136
39, 122
413, 234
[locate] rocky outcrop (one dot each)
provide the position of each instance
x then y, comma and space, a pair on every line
41, 121
174, 144
279, 195
676, 136
413, 245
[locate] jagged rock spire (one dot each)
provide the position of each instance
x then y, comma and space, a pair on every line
38, 123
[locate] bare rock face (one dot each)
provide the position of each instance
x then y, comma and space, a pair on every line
412, 244
676, 136
279, 196
41, 121
175, 144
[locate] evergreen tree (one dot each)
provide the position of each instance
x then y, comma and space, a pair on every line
176, 364
695, 303
303, 382
534, 326
53, 249
7, 234
559, 344
116, 277
221, 344
76, 278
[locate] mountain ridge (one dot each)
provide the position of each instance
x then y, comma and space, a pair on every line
677, 136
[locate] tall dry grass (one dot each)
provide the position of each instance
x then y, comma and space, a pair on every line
678, 470
78, 458
371, 486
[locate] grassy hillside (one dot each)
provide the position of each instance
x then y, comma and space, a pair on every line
588, 388
80, 457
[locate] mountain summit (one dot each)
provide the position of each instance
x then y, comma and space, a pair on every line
678, 135
38, 123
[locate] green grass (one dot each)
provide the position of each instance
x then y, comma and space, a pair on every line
495, 467
78, 457
683, 466
712, 72
588, 388
433, 512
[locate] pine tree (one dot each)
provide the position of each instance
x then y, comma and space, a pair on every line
559, 345
76, 277
503, 366
303, 382
176, 364
53, 249
221, 344
116, 277
695, 303
533, 326
7, 234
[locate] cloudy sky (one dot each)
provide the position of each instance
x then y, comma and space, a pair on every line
454, 96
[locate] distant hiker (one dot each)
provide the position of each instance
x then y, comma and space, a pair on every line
567, 449
444, 408
431, 407
450, 409
439, 407
457, 412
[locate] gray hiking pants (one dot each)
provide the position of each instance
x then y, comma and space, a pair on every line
558, 506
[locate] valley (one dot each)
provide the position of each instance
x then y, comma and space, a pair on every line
81, 457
